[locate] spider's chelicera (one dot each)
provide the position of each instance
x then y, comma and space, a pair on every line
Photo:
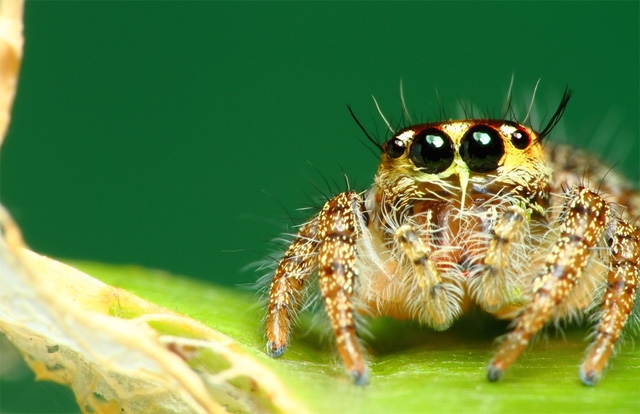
470, 212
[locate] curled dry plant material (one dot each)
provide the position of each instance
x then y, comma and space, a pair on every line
118, 352
481, 213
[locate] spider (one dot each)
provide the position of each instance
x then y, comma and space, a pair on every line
473, 212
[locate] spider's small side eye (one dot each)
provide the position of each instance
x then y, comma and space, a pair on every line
432, 151
482, 148
520, 139
394, 148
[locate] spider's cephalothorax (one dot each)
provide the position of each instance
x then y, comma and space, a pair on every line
470, 212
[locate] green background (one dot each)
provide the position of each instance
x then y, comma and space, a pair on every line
179, 135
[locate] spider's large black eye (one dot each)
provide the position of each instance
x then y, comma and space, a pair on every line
482, 148
432, 151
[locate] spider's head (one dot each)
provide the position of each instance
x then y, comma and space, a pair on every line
482, 154
470, 156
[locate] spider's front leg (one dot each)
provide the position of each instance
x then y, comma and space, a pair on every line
338, 235
584, 220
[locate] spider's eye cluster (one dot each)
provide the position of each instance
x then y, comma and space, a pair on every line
481, 147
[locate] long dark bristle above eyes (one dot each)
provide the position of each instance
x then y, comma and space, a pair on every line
558, 114
373, 141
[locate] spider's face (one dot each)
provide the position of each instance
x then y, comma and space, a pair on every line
485, 156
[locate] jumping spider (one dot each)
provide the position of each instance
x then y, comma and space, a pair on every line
481, 212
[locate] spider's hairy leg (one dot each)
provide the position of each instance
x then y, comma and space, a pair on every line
583, 221
287, 285
338, 234
618, 299
434, 295
492, 289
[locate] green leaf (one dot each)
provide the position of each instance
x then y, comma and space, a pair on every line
412, 368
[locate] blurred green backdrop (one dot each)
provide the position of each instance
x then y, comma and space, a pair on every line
171, 134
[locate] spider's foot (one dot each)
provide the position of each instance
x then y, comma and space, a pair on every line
494, 373
360, 377
274, 350
589, 377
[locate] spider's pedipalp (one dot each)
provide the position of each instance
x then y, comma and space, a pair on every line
491, 286
435, 296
